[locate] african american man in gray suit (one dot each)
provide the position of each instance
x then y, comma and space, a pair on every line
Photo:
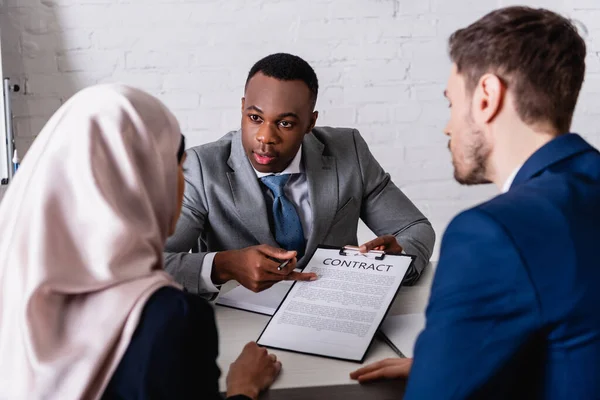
279, 187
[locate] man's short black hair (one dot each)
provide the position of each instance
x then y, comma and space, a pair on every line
287, 67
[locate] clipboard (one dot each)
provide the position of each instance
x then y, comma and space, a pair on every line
266, 338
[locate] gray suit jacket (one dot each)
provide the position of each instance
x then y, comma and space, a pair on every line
224, 207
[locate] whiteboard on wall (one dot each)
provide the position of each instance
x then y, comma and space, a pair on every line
4, 156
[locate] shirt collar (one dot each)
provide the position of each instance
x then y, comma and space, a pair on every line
510, 179
295, 167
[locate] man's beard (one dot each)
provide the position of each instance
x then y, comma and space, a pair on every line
475, 156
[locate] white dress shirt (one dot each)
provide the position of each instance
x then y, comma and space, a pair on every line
296, 190
510, 179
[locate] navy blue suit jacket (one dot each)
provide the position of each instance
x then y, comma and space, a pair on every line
515, 303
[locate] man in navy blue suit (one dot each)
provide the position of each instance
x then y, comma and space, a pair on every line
515, 304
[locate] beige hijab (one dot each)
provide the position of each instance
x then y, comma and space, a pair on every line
82, 228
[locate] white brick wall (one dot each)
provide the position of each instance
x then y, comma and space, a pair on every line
382, 66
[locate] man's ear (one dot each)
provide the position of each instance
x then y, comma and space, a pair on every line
313, 121
243, 103
488, 98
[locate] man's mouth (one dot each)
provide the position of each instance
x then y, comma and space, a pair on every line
265, 158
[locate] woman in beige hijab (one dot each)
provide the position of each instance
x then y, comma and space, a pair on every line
85, 308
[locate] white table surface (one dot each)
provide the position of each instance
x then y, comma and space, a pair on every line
236, 328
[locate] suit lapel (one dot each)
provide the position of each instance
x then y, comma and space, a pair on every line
322, 179
247, 195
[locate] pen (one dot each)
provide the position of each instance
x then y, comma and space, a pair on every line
282, 265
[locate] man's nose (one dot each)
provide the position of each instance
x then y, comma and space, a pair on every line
267, 134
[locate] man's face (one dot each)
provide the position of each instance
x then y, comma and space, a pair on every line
275, 117
468, 145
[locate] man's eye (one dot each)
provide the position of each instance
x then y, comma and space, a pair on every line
286, 124
254, 117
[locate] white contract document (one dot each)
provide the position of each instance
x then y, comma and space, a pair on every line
265, 302
338, 314
401, 332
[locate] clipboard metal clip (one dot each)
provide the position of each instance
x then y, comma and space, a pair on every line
355, 251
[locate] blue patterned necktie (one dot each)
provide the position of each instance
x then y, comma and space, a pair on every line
288, 229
